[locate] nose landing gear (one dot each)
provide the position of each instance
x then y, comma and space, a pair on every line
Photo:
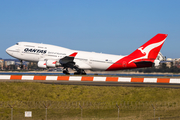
21, 64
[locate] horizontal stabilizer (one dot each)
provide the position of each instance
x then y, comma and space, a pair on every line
144, 64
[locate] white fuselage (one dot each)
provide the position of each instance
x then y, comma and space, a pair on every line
41, 52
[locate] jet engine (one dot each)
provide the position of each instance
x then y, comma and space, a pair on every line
48, 64
51, 63
42, 64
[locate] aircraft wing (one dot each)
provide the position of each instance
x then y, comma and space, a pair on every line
68, 59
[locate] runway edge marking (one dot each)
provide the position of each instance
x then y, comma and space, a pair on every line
91, 78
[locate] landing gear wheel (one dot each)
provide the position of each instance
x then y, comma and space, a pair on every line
80, 72
65, 71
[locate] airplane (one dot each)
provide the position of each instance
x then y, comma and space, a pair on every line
51, 56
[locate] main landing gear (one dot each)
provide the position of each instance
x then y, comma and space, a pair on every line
79, 71
65, 71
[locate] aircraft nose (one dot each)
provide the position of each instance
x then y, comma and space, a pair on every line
10, 50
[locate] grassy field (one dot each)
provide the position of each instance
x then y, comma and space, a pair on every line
97, 102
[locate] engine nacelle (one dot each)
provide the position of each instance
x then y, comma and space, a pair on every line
51, 63
42, 64
47, 64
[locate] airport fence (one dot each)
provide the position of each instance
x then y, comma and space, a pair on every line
53, 110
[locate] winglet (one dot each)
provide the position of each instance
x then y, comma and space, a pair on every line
73, 55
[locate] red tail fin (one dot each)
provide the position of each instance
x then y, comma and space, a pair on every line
150, 49
144, 56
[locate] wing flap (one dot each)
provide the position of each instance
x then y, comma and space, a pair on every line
68, 59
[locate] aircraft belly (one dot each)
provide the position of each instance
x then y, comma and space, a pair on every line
100, 66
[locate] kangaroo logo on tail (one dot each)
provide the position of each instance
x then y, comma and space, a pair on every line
145, 51
141, 49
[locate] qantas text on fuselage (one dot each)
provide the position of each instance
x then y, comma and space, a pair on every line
49, 56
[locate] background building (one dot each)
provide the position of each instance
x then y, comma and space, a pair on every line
1, 64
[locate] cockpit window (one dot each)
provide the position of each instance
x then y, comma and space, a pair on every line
17, 43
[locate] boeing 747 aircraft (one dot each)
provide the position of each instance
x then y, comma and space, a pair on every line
49, 56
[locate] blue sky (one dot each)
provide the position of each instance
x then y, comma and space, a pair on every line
107, 26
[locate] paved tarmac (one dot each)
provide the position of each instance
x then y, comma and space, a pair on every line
101, 74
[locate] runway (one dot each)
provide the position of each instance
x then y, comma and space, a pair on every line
90, 74
162, 82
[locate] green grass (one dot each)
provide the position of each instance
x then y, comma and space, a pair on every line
98, 102
19, 91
